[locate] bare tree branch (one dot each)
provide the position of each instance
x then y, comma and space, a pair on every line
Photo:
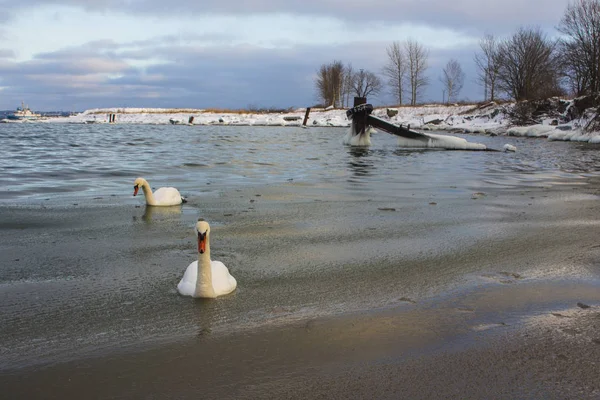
417, 65
396, 70
580, 50
365, 83
453, 79
487, 66
528, 67
330, 78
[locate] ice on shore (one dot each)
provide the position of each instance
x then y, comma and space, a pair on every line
509, 147
362, 139
441, 142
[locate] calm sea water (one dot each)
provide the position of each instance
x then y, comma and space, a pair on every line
40, 161
104, 278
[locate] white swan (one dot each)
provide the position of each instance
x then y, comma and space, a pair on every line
206, 278
165, 196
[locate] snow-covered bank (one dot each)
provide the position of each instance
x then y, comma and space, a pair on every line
560, 119
317, 117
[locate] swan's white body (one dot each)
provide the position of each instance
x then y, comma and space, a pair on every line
206, 278
165, 196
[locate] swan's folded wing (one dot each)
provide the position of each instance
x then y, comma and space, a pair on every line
223, 282
187, 284
167, 196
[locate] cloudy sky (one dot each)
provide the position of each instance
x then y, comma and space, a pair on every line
80, 54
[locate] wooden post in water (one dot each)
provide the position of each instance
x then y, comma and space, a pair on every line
360, 117
306, 116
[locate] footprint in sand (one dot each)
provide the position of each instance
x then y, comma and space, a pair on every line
485, 327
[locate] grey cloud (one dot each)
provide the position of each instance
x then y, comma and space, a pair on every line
175, 40
498, 16
208, 79
6, 53
105, 44
77, 65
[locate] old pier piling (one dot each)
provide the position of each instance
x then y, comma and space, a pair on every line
306, 116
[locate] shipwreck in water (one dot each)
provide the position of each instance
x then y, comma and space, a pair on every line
363, 123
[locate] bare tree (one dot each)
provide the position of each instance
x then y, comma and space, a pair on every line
487, 66
573, 68
396, 70
581, 48
347, 85
365, 83
528, 67
329, 82
417, 65
453, 79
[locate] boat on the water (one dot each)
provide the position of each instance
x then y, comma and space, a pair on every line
23, 113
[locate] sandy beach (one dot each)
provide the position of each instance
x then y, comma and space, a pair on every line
523, 323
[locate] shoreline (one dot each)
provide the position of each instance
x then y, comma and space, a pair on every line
556, 122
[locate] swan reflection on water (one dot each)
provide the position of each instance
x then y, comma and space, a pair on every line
207, 316
161, 213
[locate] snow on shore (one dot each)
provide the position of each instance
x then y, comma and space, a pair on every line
490, 119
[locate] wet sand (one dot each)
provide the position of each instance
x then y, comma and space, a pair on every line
468, 353
521, 321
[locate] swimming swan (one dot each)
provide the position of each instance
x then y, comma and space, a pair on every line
206, 278
165, 196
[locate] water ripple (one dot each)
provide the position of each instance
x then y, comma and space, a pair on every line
38, 160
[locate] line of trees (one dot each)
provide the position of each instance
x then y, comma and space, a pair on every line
405, 73
524, 66
529, 66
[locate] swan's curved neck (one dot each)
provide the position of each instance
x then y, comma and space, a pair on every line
148, 194
204, 283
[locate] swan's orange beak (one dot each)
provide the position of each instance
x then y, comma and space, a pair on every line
201, 242
135, 190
